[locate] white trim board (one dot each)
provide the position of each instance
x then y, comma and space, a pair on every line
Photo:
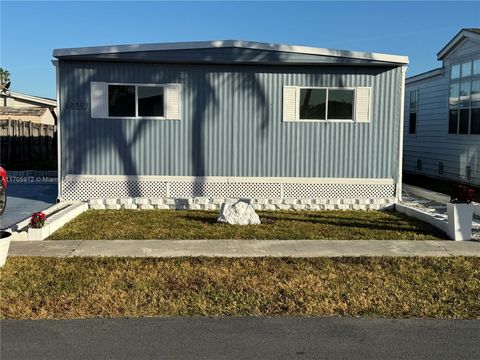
425, 75
230, 179
33, 98
457, 39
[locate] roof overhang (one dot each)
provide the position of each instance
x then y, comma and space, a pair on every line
459, 38
31, 98
425, 75
98, 50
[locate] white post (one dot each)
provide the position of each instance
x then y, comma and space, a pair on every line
56, 63
400, 134
460, 221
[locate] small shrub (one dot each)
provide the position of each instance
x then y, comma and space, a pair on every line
38, 220
462, 194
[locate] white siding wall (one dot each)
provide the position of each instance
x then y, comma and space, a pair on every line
432, 144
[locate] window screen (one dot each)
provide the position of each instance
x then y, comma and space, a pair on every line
312, 104
121, 100
150, 101
340, 104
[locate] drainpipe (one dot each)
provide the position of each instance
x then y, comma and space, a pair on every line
400, 134
59, 143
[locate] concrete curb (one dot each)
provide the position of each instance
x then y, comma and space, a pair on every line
440, 223
244, 248
57, 216
435, 196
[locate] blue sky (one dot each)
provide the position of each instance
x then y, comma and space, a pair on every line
31, 30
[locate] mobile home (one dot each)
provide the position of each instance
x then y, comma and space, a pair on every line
442, 114
284, 125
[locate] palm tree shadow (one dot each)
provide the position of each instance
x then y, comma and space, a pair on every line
243, 77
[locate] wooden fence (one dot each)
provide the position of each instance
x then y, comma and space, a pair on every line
25, 142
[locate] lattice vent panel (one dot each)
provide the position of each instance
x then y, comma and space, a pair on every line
338, 191
182, 189
84, 190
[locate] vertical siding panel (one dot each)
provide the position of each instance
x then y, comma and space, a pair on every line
233, 143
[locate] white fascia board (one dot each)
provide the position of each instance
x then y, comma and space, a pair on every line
463, 34
425, 75
231, 43
33, 98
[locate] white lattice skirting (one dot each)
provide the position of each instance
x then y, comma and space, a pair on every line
269, 191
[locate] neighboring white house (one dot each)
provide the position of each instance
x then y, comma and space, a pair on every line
17, 106
442, 114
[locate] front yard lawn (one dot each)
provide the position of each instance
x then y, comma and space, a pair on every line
284, 225
55, 288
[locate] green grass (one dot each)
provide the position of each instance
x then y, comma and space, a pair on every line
439, 185
55, 288
169, 224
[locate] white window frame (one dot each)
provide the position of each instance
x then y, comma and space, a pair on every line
136, 85
470, 78
299, 88
417, 97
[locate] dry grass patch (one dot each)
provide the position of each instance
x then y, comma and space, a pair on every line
169, 224
53, 288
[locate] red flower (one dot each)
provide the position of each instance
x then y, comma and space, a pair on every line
38, 220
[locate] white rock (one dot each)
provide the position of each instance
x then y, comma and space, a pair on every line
130, 206
202, 200
157, 201
145, 206
125, 201
140, 201
97, 207
238, 213
162, 207
113, 206
261, 201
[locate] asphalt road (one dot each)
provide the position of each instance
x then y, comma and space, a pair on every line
240, 338
25, 199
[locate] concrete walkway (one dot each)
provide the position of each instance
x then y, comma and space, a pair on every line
243, 248
25, 199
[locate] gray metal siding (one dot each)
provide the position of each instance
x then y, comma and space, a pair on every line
231, 124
